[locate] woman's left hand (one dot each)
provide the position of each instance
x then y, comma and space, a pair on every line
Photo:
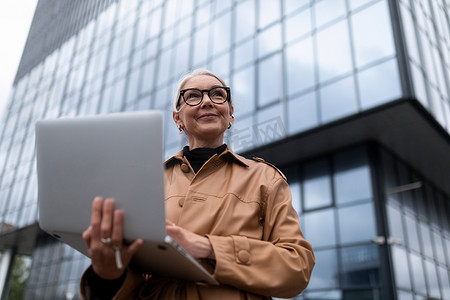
196, 245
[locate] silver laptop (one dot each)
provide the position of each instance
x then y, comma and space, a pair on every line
120, 156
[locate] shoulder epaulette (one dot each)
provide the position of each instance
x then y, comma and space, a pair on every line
258, 159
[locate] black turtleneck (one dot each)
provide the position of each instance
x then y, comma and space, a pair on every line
197, 157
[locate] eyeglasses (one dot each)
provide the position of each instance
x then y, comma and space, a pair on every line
193, 97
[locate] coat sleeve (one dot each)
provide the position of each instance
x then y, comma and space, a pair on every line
128, 290
278, 265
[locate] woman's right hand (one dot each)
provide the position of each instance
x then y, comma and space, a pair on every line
107, 222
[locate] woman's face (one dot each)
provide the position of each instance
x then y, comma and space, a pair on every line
205, 123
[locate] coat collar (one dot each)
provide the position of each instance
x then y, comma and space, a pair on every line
178, 157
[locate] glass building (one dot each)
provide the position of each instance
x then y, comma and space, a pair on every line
350, 98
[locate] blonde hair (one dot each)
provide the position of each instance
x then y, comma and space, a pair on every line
188, 76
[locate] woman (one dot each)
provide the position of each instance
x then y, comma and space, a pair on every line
232, 214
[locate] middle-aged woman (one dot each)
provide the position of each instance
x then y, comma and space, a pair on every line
232, 214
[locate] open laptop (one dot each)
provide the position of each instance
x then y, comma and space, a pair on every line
120, 156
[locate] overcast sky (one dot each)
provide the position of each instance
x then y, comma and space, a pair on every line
15, 21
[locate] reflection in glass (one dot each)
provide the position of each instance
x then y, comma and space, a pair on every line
432, 279
296, 200
141, 31
437, 106
357, 3
181, 57
425, 235
270, 126
411, 233
184, 27
105, 104
326, 274
242, 136
293, 178
439, 247
352, 176
379, 84
431, 195
201, 45
446, 105
316, 184
357, 223
141, 104
320, 228
147, 77
99, 62
428, 59
269, 11
300, 66
298, 25
132, 86
418, 274
401, 269
372, 33
291, 5
447, 244
410, 34
244, 54
185, 8
338, 100
221, 65
10, 124
155, 22
150, 50
302, 113
245, 20
4, 197
161, 97
269, 40
92, 105
360, 266
170, 11
395, 223
127, 42
269, 77
333, 50
222, 5
164, 73
445, 282
243, 94
323, 295
221, 36
329, 10
117, 96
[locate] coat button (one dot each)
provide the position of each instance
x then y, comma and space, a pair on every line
181, 202
184, 168
243, 256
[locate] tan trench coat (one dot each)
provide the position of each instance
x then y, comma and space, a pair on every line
245, 209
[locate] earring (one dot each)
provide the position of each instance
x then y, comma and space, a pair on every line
180, 129
229, 124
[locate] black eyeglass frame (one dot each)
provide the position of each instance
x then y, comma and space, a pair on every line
227, 89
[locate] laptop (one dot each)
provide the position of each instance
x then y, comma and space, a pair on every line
117, 155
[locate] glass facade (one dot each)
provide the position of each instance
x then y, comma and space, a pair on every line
293, 66
427, 38
332, 194
419, 232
